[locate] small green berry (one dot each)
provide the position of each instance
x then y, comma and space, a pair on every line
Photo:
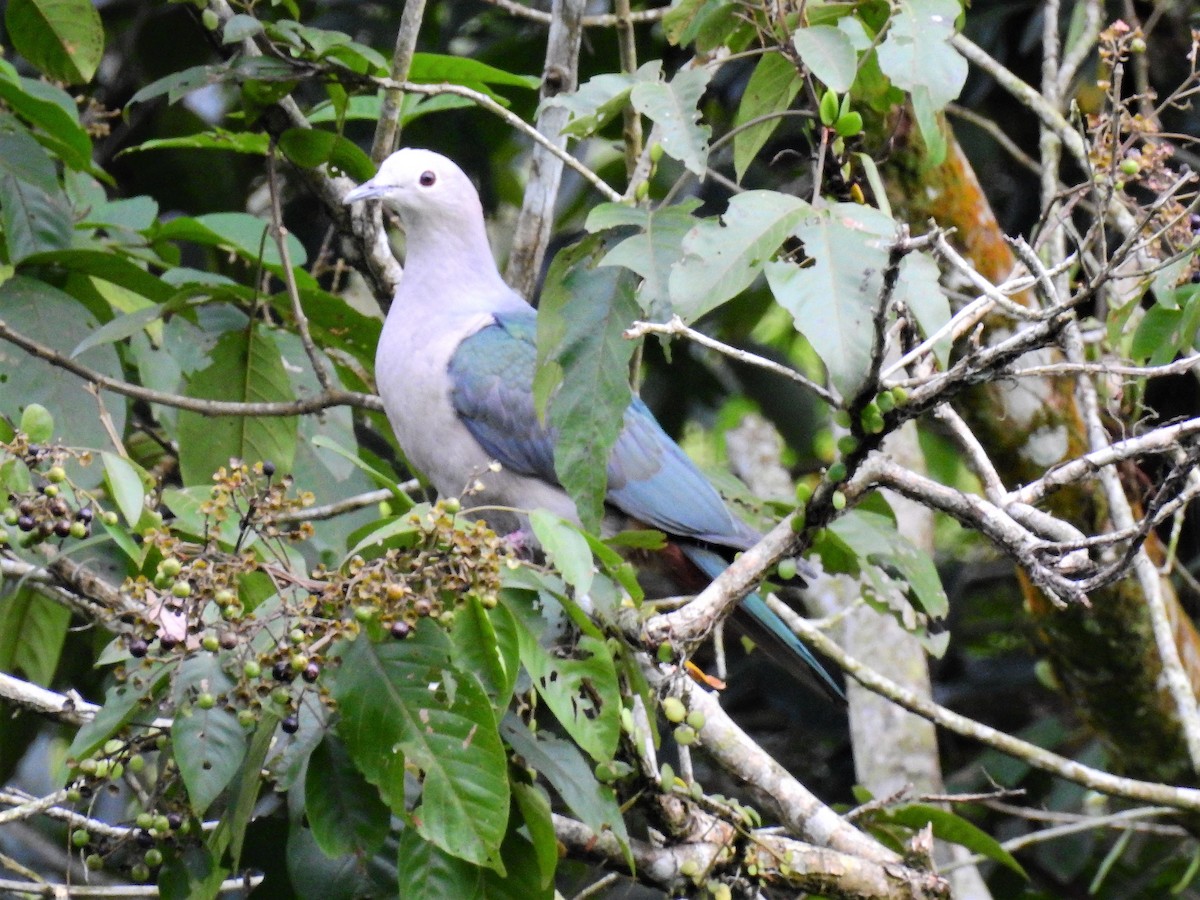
1130, 167
144, 820
79, 530
81, 837
282, 696
181, 589
109, 518
170, 566
94, 862
252, 669
137, 763
799, 520
224, 597
674, 709
803, 492
838, 500
50, 490
696, 719
787, 569
885, 401
451, 505
162, 823
836, 472
210, 643
139, 872
153, 857
685, 735
246, 717
206, 701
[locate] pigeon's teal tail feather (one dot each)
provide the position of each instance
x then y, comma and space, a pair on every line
768, 631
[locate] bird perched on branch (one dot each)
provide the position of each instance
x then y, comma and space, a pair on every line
455, 368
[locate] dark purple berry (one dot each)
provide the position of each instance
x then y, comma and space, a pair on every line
228, 640
282, 671
144, 838
290, 725
85, 514
138, 648
167, 642
1194, 221
62, 527
174, 820
401, 630
26, 523
25, 507
268, 468
1196, 277
311, 672
58, 506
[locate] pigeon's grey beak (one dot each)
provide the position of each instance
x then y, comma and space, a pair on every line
365, 191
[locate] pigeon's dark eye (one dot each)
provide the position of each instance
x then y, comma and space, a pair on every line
427, 179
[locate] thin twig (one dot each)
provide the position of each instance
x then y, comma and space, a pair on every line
387, 131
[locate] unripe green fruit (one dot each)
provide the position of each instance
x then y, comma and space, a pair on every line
799, 521
206, 701
109, 518
1130, 166
685, 735
94, 862
170, 566
79, 530
145, 821
137, 764
210, 643
451, 505
838, 500
181, 589
81, 837
837, 472
139, 872
246, 717
696, 719
803, 492
224, 597
56, 474
787, 569
674, 709
251, 669
153, 857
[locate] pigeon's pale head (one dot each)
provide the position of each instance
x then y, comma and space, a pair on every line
420, 184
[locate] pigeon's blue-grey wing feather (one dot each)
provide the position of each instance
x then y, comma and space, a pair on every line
649, 477
491, 376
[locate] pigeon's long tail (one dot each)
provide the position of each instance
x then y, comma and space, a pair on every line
767, 630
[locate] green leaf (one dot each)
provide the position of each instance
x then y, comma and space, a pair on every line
650, 254
32, 631
56, 319
257, 70
674, 107
952, 828
256, 143
918, 288
571, 776
534, 805
37, 423
124, 701
917, 56
241, 27
600, 99
52, 112
829, 55
362, 108
381, 478
425, 870
582, 692
126, 483
566, 548
833, 300
773, 86
245, 367
435, 68
583, 314
402, 705
310, 147
486, 643
242, 233
722, 258
63, 39
109, 267
344, 811
34, 212
209, 744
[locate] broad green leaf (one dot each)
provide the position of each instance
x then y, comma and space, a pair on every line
674, 107
239, 28
241, 232
833, 300
256, 143
56, 123
61, 38
952, 828
772, 87
247, 368
310, 148
402, 705
381, 478
189, 519
570, 774
899, 578
425, 870
581, 691
192, 874
536, 816
917, 56
600, 99
308, 42
51, 317
375, 538
32, 631
918, 288
34, 212
566, 548
829, 55
107, 266
583, 314
651, 253
723, 257
265, 70
37, 423
208, 744
133, 698
126, 483
369, 108
344, 811
1164, 331
435, 68
486, 642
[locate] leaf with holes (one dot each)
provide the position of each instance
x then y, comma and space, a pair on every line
674, 107
209, 744
403, 706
